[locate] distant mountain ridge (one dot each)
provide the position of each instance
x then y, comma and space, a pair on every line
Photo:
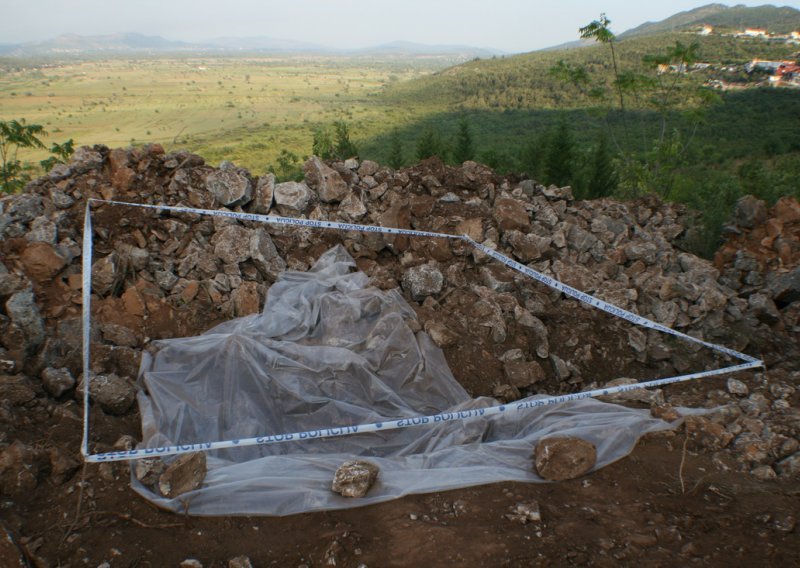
778, 20
74, 44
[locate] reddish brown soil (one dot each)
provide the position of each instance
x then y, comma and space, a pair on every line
643, 509
664, 505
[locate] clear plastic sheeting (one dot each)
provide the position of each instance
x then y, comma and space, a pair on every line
330, 352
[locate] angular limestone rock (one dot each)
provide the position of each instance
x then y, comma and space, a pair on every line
148, 470
354, 478
558, 459
185, 474
422, 281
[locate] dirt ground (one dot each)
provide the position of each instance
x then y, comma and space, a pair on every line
661, 506
673, 501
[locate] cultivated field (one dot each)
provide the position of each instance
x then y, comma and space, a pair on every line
245, 110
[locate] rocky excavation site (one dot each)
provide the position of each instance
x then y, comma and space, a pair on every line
721, 488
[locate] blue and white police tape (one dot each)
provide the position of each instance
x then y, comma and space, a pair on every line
392, 424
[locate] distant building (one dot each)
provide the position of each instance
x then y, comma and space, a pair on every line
706, 30
755, 32
795, 35
663, 68
764, 65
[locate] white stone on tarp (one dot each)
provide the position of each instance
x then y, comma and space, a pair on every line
354, 478
185, 474
562, 458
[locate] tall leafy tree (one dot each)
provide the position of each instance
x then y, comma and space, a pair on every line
395, 150
14, 135
322, 144
598, 30
463, 150
344, 148
604, 178
532, 156
560, 156
430, 144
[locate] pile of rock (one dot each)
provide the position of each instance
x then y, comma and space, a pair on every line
165, 274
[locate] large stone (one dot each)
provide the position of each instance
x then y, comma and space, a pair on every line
654, 397
705, 434
133, 257
113, 393
440, 334
580, 240
764, 308
230, 188
526, 319
105, 274
510, 214
368, 168
86, 158
122, 175
644, 251
326, 181
561, 458
749, 212
16, 389
292, 197
245, 299
41, 261
10, 283
21, 308
148, 470
185, 474
232, 244
576, 275
497, 278
523, 374
19, 470
422, 281
786, 288
354, 478
789, 467
43, 230
264, 194
57, 381
473, 228
527, 247
352, 208
118, 335
23, 207
265, 256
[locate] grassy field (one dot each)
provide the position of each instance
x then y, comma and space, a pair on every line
245, 110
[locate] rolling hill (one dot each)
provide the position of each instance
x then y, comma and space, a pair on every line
776, 20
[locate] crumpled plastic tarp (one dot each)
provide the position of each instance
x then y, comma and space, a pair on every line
330, 351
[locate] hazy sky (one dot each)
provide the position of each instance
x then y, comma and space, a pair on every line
509, 25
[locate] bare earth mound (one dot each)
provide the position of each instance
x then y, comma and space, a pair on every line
722, 490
